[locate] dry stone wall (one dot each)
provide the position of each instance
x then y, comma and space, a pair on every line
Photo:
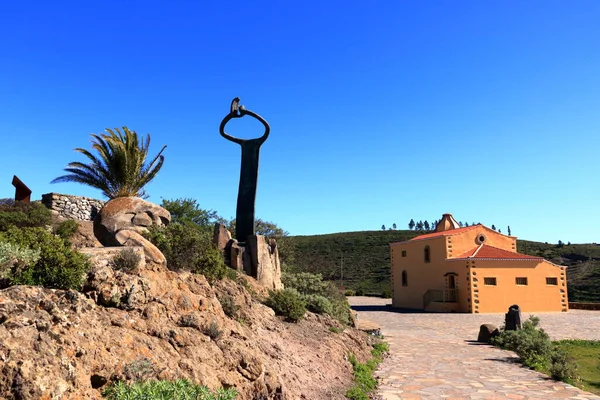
73, 207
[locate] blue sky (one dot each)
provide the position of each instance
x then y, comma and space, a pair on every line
380, 111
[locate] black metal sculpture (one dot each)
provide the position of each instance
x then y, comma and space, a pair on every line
244, 216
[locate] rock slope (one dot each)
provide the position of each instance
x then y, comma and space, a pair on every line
159, 324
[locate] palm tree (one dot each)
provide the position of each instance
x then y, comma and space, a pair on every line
120, 168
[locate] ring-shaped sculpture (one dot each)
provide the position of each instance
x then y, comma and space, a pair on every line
244, 216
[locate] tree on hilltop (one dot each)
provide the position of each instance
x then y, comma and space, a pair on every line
426, 225
394, 226
383, 227
120, 168
411, 224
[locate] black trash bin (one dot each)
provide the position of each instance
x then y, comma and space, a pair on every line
512, 321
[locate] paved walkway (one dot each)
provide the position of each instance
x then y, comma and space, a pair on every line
435, 356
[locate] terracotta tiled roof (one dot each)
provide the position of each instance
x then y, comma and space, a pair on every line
490, 252
446, 233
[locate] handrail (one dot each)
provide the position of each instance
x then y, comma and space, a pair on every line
440, 296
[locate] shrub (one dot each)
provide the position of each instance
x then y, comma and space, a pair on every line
379, 349
309, 285
287, 302
349, 292
535, 350
561, 367
305, 283
139, 370
67, 228
15, 258
229, 307
127, 260
318, 304
212, 330
187, 247
180, 389
364, 382
24, 215
386, 294
58, 265
360, 292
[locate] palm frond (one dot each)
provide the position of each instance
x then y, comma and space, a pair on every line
119, 166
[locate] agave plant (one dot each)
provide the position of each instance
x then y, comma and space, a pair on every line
120, 168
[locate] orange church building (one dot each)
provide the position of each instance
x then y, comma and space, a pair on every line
473, 270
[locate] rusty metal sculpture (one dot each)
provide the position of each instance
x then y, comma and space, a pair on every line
22, 192
244, 216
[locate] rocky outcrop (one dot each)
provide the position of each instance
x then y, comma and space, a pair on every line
84, 236
487, 332
264, 261
258, 257
157, 323
72, 207
221, 236
122, 221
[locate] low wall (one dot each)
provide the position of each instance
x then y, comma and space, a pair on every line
584, 306
73, 207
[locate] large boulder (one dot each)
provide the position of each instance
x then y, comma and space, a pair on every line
122, 221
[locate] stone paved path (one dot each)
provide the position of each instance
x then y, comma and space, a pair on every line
434, 356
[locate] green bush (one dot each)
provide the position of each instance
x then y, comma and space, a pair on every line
187, 247
15, 258
349, 292
561, 367
360, 292
364, 382
535, 350
287, 302
127, 260
311, 285
58, 265
24, 215
318, 304
67, 228
180, 389
386, 293
379, 349
306, 283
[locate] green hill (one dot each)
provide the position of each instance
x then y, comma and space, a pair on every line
361, 260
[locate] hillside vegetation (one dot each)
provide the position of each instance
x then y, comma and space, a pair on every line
361, 260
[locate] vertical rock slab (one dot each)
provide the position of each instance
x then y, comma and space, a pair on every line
264, 262
221, 236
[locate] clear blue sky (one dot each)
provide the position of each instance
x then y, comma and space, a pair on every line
380, 111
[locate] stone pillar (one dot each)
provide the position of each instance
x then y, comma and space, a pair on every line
264, 261
256, 258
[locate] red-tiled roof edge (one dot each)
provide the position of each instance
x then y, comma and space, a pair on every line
502, 254
443, 233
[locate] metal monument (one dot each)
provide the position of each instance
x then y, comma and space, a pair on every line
244, 216
22, 192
